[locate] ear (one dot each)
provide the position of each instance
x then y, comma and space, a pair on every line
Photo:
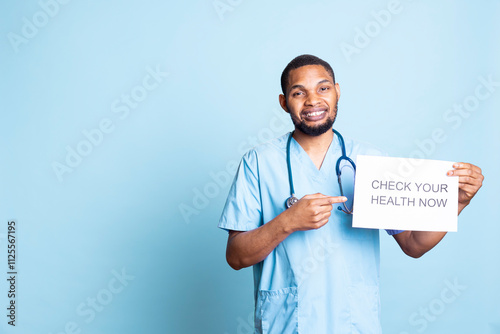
337, 89
283, 103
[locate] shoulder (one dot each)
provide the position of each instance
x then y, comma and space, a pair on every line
268, 150
262, 156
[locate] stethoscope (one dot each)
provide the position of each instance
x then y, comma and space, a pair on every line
292, 199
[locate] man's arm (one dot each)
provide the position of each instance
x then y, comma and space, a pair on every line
417, 243
245, 249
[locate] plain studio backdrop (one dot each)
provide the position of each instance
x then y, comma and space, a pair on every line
122, 123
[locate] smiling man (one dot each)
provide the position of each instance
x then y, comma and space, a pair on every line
313, 272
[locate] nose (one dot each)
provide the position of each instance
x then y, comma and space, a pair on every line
312, 99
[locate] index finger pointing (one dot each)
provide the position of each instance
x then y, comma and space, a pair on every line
336, 199
314, 196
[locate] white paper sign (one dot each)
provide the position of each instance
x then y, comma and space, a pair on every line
405, 194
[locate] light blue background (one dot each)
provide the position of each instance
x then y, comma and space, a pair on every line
121, 206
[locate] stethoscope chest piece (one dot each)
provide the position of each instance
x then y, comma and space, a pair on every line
291, 201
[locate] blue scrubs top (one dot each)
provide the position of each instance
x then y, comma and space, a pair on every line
316, 281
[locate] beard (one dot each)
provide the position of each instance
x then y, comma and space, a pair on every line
316, 130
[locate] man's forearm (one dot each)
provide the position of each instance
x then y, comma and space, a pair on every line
417, 243
245, 249
312, 211
423, 241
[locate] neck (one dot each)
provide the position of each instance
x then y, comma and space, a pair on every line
314, 144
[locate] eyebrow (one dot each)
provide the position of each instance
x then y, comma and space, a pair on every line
301, 86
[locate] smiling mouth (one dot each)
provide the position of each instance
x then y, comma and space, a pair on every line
315, 113
313, 116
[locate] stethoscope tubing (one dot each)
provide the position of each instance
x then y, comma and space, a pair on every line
292, 199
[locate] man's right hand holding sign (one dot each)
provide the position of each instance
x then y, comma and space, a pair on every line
470, 179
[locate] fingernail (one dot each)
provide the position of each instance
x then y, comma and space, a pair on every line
450, 172
344, 198
456, 165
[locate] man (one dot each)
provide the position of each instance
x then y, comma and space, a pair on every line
313, 272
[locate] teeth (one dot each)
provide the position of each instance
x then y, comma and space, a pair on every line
316, 113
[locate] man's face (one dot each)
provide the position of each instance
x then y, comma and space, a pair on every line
311, 100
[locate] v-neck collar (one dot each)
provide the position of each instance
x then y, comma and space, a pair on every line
327, 167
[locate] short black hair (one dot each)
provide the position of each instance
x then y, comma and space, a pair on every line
303, 60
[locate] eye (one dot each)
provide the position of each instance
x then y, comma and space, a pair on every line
297, 94
324, 89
